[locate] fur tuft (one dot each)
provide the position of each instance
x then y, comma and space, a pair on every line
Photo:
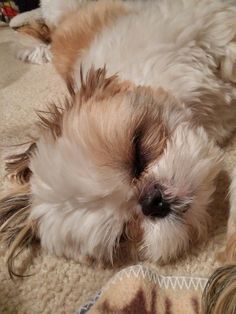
16, 231
52, 119
98, 83
219, 295
31, 43
17, 165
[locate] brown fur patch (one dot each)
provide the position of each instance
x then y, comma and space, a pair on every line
110, 120
78, 30
229, 252
52, 119
38, 30
17, 232
96, 84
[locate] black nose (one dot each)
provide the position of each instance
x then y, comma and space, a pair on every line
154, 205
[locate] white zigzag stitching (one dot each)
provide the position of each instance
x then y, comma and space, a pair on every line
166, 282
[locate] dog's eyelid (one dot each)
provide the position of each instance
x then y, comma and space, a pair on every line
139, 162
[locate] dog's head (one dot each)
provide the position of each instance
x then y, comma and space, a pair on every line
122, 159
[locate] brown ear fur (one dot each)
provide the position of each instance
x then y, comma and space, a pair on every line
16, 230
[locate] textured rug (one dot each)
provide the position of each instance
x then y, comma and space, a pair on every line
58, 285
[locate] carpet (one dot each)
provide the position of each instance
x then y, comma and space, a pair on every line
58, 285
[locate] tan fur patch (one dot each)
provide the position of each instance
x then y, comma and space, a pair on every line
113, 117
37, 30
96, 84
78, 30
116, 120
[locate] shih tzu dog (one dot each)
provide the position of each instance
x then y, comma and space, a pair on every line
132, 156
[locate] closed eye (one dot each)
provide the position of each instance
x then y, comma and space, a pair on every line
139, 162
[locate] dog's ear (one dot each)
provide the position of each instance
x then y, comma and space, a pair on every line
17, 231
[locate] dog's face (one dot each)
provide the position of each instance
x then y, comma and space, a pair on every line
123, 160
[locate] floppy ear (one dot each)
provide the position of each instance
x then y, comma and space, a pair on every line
17, 231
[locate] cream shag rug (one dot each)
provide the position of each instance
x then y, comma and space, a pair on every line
58, 285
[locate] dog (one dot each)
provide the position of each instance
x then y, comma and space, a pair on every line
130, 161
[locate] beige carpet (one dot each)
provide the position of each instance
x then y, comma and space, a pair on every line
58, 285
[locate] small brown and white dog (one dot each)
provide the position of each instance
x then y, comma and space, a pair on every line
133, 155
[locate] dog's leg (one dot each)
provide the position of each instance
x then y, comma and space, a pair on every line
26, 18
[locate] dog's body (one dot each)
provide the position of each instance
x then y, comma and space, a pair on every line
135, 154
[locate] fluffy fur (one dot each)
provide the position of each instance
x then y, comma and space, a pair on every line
151, 122
51, 12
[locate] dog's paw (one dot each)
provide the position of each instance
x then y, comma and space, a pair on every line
38, 54
20, 20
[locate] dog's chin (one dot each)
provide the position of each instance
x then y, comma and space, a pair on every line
167, 239
164, 239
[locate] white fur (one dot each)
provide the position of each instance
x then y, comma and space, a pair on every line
179, 49
25, 18
186, 47
28, 49
51, 11
187, 169
35, 54
68, 204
